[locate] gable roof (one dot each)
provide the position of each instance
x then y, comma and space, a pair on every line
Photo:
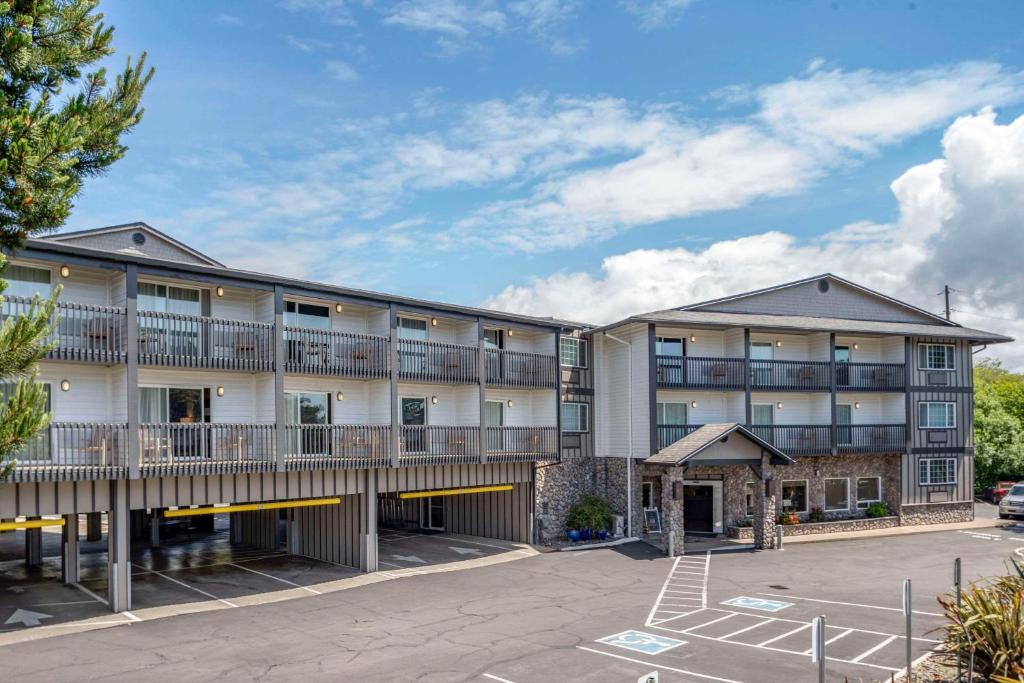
711, 304
707, 436
77, 236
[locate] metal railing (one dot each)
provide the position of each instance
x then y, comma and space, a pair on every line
873, 438
339, 354
871, 376
191, 341
669, 434
84, 332
521, 444
797, 439
799, 375
334, 446
521, 369
73, 450
436, 445
187, 448
699, 372
425, 361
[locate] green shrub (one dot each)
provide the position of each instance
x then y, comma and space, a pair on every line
788, 518
817, 515
590, 512
877, 510
744, 522
990, 621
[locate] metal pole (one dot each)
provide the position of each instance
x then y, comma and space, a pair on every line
956, 582
778, 537
818, 646
908, 612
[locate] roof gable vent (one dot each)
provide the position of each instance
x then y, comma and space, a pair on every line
138, 238
823, 286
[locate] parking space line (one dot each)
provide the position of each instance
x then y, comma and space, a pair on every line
92, 595
661, 593
744, 630
185, 585
688, 592
658, 666
849, 604
276, 578
876, 648
785, 635
708, 623
495, 678
835, 638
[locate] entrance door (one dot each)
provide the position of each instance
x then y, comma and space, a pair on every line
698, 508
844, 418
305, 410
414, 414
763, 416
761, 355
494, 341
494, 416
842, 357
432, 513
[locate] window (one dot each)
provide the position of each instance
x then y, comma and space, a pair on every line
794, 496
26, 281
671, 413
869, 490
573, 352
494, 339
933, 471
668, 346
844, 420
178, 405
412, 328
575, 417
748, 497
935, 356
761, 350
167, 299
763, 414
307, 315
935, 415
837, 494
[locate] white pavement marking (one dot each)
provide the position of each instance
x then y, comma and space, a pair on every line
26, 617
708, 623
675, 591
185, 585
876, 648
784, 635
658, 666
91, 594
465, 551
408, 558
496, 678
748, 628
664, 587
277, 578
850, 604
835, 638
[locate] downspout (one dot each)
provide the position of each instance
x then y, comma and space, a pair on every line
629, 457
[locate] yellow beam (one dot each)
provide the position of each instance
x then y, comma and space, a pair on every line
249, 507
455, 492
30, 524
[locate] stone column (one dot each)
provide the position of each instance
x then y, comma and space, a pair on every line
672, 509
764, 507
33, 546
70, 562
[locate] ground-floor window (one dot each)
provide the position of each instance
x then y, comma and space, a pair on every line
748, 496
869, 490
937, 471
837, 494
794, 496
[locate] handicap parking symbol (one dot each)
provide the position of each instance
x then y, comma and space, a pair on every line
758, 604
647, 643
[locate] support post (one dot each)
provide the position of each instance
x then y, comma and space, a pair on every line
370, 511
119, 575
235, 527
154, 527
482, 387
93, 526
293, 542
33, 546
280, 419
131, 283
748, 407
834, 432
395, 362
70, 566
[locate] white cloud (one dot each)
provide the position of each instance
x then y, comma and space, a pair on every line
656, 13
307, 44
959, 223
337, 12
341, 71
229, 20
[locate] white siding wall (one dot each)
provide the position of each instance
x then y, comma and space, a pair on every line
734, 343
238, 404
712, 407
893, 349
818, 347
796, 407
456, 405
819, 409
706, 343
612, 361
84, 285
263, 400
90, 397
533, 408
736, 407
869, 349
236, 304
263, 306
794, 346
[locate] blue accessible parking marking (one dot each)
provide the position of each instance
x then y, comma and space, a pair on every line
758, 604
638, 641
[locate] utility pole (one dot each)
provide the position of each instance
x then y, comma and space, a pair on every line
945, 290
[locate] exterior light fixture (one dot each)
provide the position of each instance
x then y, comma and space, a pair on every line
693, 404
779, 405
65, 271
510, 332
433, 322
778, 342
337, 308
65, 384
220, 391
857, 405
339, 396
693, 338
433, 400
510, 403
856, 346
220, 291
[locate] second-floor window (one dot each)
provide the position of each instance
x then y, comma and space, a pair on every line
935, 356
167, 299
669, 346
936, 415
412, 328
575, 417
573, 352
671, 413
933, 471
27, 281
307, 315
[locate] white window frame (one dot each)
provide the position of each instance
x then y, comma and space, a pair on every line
920, 423
426, 328
584, 410
771, 406
187, 387
926, 463
866, 502
807, 494
35, 266
658, 410
951, 357
849, 500
581, 352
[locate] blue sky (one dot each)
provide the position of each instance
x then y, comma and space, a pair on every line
552, 156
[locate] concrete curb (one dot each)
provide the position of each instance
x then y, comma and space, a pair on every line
593, 546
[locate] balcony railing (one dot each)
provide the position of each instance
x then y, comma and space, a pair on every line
190, 341
436, 445
521, 369
790, 375
876, 438
797, 439
201, 448
871, 376
338, 354
83, 333
335, 446
73, 450
669, 434
700, 373
424, 361
522, 444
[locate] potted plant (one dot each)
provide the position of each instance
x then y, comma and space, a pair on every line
788, 518
591, 516
817, 515
876, 510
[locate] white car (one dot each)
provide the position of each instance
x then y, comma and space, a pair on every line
1012, 504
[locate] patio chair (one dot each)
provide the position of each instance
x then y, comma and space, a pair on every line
245, 345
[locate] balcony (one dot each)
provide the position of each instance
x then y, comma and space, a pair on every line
522, 444
692, 372
436, 445
797, 439
73, 450
517, 369
188, 341
790, 375
205, 448
870, 377
336, 446
423, 361
876, 438
94, 334
335, 354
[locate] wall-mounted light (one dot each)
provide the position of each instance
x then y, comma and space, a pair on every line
779, 405
339, 396
778, 342
510, 332
693, 404
338, 308
65, 384
65, 271
856, 346
220, 391
693, 338
433, 322
857, 405
220, 291
433, 399
510, 403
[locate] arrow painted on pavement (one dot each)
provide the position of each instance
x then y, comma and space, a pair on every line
16, 589
408, 558
465, 551
26, 617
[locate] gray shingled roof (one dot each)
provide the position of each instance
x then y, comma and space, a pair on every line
706, 436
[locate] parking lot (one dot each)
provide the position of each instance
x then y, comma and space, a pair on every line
603, 615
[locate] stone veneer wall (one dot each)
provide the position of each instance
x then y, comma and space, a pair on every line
558, 487
809, 529
610, 479
937, 513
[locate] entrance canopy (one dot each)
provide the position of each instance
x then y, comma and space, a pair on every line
719, 444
